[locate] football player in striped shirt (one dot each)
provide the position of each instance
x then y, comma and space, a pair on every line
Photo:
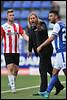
10, 32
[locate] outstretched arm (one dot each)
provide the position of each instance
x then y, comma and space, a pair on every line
48, 41
25, 36
23, 33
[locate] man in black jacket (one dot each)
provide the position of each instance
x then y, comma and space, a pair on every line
37, 34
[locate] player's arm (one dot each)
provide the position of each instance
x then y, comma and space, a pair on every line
23, 33
45, 43
30, 45
55, 32
25, 36
2, 33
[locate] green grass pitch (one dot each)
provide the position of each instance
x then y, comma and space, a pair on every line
26, 86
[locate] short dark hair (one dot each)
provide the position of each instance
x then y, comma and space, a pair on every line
55, 12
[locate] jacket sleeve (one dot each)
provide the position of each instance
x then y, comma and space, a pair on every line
30, 46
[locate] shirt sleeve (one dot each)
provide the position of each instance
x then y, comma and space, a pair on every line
20, 30
2, 32
56, 29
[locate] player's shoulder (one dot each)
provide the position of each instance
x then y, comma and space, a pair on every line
41, 21
60, 23
17, 24
56, 28
56, 25
4, 25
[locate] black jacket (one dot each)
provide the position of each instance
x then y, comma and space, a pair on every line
37, 37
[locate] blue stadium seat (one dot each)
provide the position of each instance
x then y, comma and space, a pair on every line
7, 4
3, 21
37, 12
3, 14
17, 4
24, 14
36, 4
23, 23
17, 14
46, 4
26, 4
16, 21
47, 22
44, 14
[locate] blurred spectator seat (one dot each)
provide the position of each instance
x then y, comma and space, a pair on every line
3, 22
44, 14
17, 4
23, 23
26, 4
46, 4
7, 4
24, 14
37, 12
17, 14
3, 14
36, 4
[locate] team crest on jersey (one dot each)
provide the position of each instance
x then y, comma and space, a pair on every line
11, 33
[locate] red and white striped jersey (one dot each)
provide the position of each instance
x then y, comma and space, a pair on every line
10, 34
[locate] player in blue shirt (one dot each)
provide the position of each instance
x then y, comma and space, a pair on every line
59, 35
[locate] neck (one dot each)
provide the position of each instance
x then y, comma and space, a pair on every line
11, 23
57, 20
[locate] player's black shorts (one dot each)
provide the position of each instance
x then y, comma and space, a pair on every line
11, 58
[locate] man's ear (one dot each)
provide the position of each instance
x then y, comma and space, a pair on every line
56, 16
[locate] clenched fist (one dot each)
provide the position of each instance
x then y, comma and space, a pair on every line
39, 48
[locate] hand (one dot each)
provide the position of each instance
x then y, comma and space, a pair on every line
39, 49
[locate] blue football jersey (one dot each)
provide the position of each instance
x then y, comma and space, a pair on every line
60, 40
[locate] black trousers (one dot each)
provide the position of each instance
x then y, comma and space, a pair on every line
44, 67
